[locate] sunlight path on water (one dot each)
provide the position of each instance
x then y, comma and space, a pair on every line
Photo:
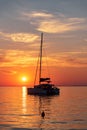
24, 104
19, 111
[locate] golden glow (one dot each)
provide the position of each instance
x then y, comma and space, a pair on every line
24, 78
24, 92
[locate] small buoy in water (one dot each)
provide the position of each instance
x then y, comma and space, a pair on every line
43, 114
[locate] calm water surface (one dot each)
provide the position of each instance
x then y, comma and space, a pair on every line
19, 111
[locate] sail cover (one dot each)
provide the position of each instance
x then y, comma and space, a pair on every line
44, 79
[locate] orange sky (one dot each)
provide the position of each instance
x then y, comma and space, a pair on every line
59, 76
64, 25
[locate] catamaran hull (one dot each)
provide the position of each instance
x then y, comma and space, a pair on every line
40, 91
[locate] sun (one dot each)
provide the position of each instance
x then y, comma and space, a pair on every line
24, 79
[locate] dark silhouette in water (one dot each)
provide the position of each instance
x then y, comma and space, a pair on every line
43, 114
44, 87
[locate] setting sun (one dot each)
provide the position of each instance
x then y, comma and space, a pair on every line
24, 79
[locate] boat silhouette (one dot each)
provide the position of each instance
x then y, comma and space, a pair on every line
44, 87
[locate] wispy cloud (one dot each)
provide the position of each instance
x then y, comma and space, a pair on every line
16, 58
85, 40
7, 71
54, 23
19, 37
69, 59
54, 26
36, 14
60, 26
12, 58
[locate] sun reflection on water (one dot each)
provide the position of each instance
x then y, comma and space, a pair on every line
24, 105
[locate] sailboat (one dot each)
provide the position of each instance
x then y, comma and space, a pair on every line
44, 87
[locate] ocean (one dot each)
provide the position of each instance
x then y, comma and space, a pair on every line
67, 111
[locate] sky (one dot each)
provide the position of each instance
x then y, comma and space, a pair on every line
64, 25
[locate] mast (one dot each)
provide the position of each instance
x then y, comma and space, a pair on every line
40, 57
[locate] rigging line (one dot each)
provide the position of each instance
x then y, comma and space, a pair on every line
36, 70
40, 69
47, 62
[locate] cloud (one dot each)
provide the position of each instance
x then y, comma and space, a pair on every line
35, 14
78, 20
7, 71
54, 23
9, 58
12, 58
60, 26
19, 37
69, 59
3, 59
54, 26
85, 40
